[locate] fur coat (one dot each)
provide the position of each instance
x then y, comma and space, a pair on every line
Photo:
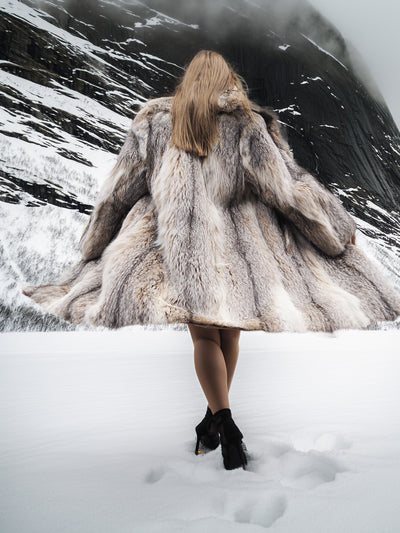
243, 238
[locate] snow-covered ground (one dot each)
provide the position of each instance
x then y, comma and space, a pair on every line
97, 434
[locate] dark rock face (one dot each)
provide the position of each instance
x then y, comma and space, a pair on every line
337, 129
114, 55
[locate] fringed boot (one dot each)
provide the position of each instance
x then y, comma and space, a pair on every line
207, 434
232, 447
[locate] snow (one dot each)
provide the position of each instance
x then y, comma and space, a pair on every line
156, 58
395, 148
98, 434
289, 109
153, 67
310, 78
284, 47
372, 205
130, 40
65, 99
161, 19
35, 164
379, 250
323, 50
377, 152
153, 21
35, 17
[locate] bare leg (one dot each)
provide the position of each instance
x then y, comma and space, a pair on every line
210, 365
230, 349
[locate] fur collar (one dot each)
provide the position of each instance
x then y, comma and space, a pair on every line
229, 101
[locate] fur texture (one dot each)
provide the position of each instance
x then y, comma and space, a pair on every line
242, 238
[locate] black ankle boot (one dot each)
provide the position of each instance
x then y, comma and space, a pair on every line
232, 447
207, 434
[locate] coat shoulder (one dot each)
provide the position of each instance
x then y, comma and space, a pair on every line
268, 116
154, 106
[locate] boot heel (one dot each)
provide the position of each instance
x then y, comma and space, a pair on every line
196, 451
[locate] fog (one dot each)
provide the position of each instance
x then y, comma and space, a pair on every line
370, 28
373, 28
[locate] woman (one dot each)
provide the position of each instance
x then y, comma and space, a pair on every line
207, 219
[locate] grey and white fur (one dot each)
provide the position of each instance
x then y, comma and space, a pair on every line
243, 238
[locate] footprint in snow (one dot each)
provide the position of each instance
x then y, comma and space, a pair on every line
253, 509
282, 462
306, 470
277, 461
154, 475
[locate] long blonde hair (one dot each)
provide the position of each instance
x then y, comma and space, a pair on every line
195, 102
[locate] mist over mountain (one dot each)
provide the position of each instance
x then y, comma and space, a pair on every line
72, 74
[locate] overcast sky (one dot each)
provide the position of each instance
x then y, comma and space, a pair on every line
373, 27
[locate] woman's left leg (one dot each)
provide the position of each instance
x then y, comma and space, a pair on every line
230, 349
210, 365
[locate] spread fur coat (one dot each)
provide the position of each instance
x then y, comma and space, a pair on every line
242, 238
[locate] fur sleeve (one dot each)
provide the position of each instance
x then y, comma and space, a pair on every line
298, 195
123, 187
